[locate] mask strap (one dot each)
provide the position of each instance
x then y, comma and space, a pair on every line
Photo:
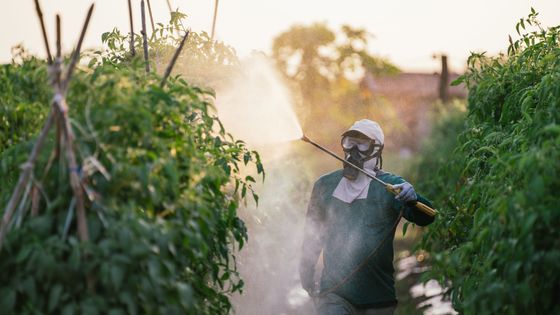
378, 154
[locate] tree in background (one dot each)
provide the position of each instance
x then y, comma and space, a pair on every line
325, 68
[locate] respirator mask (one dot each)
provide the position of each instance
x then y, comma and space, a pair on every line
358, 150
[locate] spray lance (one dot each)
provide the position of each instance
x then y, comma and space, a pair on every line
390, 188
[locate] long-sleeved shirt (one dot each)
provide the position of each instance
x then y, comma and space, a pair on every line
348, 233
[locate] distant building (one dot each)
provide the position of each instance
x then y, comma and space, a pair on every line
412, 96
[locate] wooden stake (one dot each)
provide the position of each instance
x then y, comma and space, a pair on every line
132, 49
151, 17
58, 45
145, 37
61, 108
173, 60
35, 199
27, 168
56, 78
44, 31
76, 53
57, 67
169, 6
75, 182
444, 80
214, 20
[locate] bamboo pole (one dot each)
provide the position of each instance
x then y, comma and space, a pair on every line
173, 60
62, 108
132, 49
214, 19
151, 16
145, 37
56, 67
27, 168
56, 152
76, 53
35, 199
75, 182
44, 31
58, 44
169, 6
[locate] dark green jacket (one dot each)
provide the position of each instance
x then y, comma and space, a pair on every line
348, 233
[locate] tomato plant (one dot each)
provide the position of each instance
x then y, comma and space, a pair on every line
496, 241
163, 185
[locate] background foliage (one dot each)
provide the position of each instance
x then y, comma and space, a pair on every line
24, 95
163, 184
496, 241
202, 62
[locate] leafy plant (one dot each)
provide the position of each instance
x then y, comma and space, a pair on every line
163, 182
24, 95
496, 238
203, 62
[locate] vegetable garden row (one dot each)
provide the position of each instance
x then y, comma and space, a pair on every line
159, 176
495, 174
161, 182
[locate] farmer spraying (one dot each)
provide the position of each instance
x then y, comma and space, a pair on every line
352, 219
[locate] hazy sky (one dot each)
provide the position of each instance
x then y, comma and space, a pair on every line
408, 32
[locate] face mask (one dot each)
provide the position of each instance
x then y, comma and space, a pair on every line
357, 151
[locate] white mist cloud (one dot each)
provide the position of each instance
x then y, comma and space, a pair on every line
256, 106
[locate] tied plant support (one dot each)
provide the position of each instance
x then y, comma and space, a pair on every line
161, 184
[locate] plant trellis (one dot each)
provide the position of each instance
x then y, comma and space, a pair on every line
58, 116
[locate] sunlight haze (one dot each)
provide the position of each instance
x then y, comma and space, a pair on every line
408, 33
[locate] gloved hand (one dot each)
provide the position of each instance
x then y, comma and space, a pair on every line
407, 193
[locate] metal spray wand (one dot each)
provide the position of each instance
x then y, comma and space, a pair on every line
391, 188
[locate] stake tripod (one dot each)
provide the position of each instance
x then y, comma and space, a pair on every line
64, 139
58, 116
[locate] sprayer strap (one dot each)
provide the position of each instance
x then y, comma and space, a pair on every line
364, 262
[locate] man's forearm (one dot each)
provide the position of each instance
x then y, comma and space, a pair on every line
415, 215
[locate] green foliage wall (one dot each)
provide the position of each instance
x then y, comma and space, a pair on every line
496, 242
163, 186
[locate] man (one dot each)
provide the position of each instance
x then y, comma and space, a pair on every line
353, 221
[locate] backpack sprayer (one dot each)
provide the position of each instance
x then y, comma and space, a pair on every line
390, 188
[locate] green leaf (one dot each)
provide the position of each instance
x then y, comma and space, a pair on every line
256, 198
69, 309
24, 254
458, 81
7, 300
405, 227
54, 297
117, 276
